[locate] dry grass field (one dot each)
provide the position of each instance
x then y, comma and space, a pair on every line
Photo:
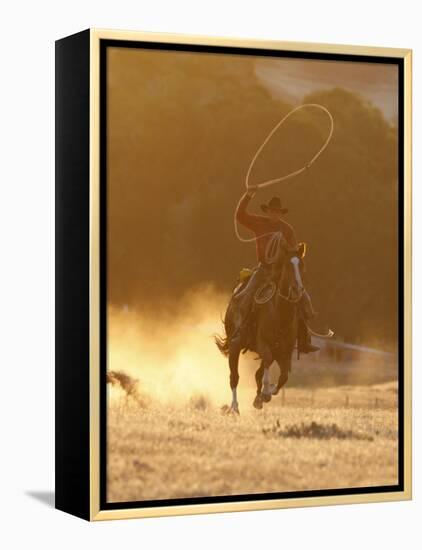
325, 438
334, 426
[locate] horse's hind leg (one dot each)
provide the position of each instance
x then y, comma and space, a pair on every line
282, 379
234, 352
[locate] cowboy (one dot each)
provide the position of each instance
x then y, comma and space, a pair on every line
264, 227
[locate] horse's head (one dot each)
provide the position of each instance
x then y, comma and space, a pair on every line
289, 269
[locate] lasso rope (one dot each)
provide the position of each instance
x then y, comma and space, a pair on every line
276, 127
272, 248
273, 243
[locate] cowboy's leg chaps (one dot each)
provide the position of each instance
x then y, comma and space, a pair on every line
306, 306
247, 294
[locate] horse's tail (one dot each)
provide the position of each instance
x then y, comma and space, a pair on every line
222, 343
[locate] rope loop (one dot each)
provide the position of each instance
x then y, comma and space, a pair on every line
274, 130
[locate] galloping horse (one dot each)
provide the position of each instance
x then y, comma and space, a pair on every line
275, 326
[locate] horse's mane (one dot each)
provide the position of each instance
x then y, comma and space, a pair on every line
278, 267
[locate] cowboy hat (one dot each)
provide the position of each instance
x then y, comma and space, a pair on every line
274, 204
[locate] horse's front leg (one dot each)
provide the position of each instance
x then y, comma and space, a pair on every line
234, 352
258, 378
267, 359
284, 353
269, 389
262, 376
284, 361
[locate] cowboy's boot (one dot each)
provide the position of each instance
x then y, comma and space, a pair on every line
304, 338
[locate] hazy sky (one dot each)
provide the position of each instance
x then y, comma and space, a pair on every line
292, 79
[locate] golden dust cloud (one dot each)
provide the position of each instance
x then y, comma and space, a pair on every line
173, 356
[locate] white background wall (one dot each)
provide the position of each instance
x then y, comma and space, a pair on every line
28, 31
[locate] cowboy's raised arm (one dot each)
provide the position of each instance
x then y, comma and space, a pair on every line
248, 220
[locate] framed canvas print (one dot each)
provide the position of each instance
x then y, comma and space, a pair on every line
233, 274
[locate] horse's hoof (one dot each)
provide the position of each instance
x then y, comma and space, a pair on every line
257, 402
225, 409
266, 397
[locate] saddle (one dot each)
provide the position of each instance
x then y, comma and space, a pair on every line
257, 296
263, 293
